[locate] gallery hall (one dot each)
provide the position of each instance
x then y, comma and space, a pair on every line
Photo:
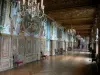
49, 37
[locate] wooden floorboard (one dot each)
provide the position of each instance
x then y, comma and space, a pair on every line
57, 65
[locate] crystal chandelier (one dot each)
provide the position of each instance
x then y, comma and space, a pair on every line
78, 36
71, 30
31, 7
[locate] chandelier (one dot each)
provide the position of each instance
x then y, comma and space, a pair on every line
78, 36
71, 30
31, 7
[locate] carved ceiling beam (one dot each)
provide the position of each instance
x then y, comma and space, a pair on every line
77, 21
75, 14
79, 11
80, 26
84, 29
64, 24
59, 4
75, 8
67, 2
69, 18
83, 34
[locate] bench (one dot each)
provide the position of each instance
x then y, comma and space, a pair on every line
17, 63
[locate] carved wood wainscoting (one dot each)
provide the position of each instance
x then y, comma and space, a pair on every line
5, 53
27, 48
43, 46
34, 49
0, 53
21, 47
14, 47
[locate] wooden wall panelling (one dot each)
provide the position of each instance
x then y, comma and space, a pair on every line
0, 52
14, 47
35, 47
54, 46
5, 64
43, 46
5, 53
28, 50
39, 43
21, 48
32, 49
40, 46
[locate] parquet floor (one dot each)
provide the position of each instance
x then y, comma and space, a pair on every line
72, 64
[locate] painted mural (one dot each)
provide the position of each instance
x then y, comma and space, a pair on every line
59, 32
48, 31
3, 8
51, 31
43, 29
48, 37
54, 31
15, 19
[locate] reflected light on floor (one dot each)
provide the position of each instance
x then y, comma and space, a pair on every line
77, 59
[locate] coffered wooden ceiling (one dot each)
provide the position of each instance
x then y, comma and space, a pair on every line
78, 13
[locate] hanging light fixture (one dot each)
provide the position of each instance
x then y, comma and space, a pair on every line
78, 36
31, 7
71, 30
